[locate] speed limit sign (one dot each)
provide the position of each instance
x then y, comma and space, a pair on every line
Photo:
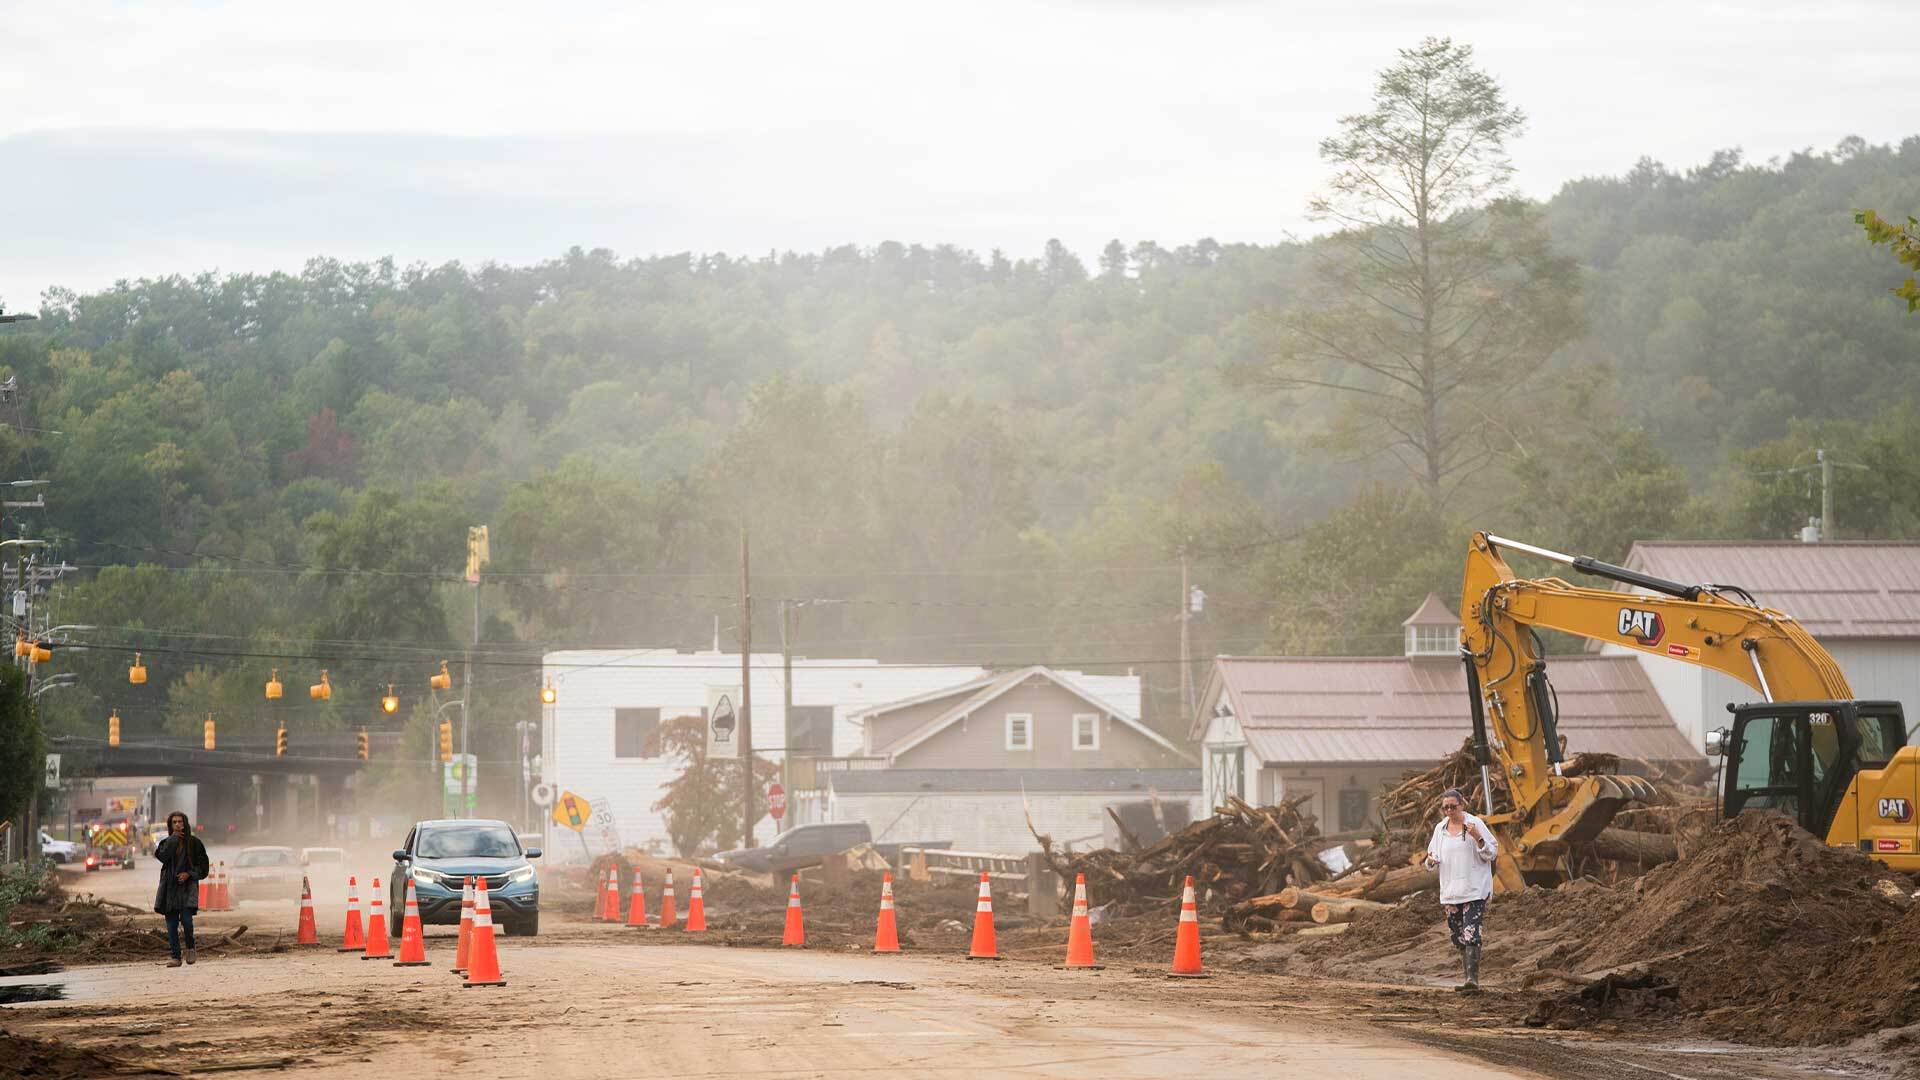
543, 794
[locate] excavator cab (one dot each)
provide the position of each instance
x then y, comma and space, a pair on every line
1802, 757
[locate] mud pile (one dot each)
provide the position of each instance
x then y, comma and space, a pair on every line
51, 1059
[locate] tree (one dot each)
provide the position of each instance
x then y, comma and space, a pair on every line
1439, 299
22, 751
1904, 240
703, 802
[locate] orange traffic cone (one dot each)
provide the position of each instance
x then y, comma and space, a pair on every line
413, 947
309, 934
460, 951
353, 940
222, 889
984, 944
206, 893
1186, 943
696, 906
637, 903
483, 956
886, 937
796, 922
666, 903
1080, 930
379, 947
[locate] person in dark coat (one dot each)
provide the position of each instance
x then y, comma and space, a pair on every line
183, 862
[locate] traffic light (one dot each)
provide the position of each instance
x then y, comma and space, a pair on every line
442, 681
113, 728
40, 654
207, 739
137, 674
322, 690
21, 649
390, 703
547, 695
274, 689
280, 743
361, 738
446, 740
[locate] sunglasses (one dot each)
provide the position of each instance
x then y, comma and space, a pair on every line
1449, 806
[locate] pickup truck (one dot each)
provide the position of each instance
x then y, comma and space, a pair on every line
805, 845
60, 851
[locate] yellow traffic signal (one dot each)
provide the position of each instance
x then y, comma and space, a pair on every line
280, 743
40, 654
322, 690
442, 681
137, 674
113, 728
207, 739
547, 695
361, 737
390, 703
21, 649
446, 740
274, 688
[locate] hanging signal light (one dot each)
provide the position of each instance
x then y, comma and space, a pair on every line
280, 743
442, 681
137, 674
390, 703
113, 728
207, 738
322, 690
446, 740
21, 648
40, 654
548, 695
361, 737
274, 688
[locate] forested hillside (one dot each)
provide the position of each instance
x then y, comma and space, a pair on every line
942, 455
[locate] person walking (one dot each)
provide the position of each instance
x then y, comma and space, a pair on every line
1462, 850
183, 862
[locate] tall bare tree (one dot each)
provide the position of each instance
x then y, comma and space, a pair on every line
1438, 300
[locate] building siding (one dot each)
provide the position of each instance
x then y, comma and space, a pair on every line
992, 822
979, 741
884, 728
1698, 697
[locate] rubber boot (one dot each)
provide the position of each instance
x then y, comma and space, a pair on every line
1473, 966
1466, 968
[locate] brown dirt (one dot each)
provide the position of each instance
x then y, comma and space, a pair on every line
50, 1059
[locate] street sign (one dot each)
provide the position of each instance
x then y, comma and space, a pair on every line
572, 811
53, 770
776, 801
543, 794
455, 772
723, 722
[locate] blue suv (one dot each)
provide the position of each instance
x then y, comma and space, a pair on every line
440, 855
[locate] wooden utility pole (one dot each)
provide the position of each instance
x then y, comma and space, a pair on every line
1186, 658
786, 703
746, 689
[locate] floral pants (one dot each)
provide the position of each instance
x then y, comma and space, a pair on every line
1463, 922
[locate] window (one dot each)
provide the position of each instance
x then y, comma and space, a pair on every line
1019, 731
1353, 808
1086, 731
1433, 640
631, 730
810, 731
1224, 765
469, 842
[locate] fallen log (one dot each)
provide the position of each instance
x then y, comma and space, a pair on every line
1340, 911
1402, 882
1325, 931
1646, 848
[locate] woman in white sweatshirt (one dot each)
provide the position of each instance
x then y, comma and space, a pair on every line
1463, 850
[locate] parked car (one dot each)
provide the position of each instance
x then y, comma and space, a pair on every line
265, 873
439, 855
803, 845
323, 859
60, 851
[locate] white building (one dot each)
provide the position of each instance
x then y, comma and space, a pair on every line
608, 702
1860, 599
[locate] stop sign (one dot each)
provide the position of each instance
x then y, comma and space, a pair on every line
776, 801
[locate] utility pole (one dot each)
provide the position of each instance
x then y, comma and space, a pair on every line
1827, 528
1186, 658
746, 689
786, 690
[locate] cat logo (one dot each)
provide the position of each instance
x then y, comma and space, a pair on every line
1896, 809
1644, 627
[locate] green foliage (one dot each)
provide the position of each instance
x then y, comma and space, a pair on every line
702, 804
22, 749
1904, 240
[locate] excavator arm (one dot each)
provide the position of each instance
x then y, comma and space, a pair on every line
1514, 707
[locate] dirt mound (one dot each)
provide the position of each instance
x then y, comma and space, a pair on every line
51, 1059
1767, 934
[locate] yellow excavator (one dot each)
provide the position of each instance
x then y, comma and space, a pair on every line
1838, 766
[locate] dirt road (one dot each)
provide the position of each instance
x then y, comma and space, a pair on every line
589, 1000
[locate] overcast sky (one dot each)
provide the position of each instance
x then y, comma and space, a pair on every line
140, 138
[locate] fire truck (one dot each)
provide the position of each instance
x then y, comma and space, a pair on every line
110, 843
